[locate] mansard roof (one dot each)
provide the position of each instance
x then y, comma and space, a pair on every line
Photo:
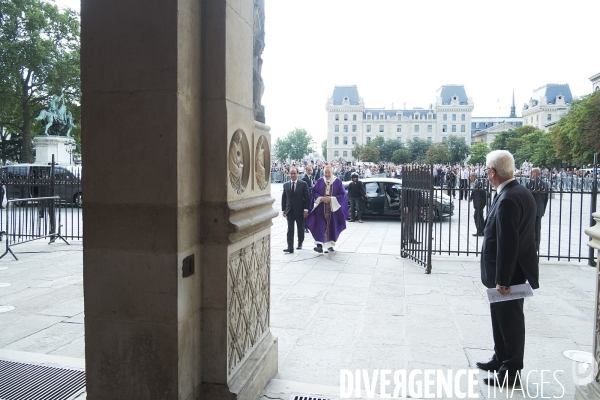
340, 92
551, 91
446, 92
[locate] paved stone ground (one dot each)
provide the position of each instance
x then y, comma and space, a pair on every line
361, 307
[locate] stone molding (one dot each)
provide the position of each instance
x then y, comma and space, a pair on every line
250, 216
248, 299
594, 233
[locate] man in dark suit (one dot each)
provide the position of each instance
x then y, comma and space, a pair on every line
539, 190
508, 257
307, 177
294, 204
479, 198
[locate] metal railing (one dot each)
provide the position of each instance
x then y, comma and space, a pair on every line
31, 219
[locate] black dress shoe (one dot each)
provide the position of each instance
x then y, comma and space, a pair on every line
288, 250
319, 248
503, 378
299, 246
331, 249
306, 230
490, 365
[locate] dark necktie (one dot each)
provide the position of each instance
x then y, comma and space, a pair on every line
293, 187
495, 198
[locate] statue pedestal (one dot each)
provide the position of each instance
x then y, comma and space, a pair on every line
45, 146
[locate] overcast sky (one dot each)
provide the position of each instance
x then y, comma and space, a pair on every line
400, 52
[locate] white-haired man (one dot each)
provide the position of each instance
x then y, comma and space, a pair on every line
328, 217
508, 257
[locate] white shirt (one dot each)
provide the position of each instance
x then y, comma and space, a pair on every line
503, 185
464, 174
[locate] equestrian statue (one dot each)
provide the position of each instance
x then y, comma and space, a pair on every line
56, 118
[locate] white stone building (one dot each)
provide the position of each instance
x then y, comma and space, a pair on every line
595, 82
547, 105
349, 122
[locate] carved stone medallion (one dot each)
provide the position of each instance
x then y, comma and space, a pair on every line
239, 160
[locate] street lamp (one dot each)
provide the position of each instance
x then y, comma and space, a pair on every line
70, 147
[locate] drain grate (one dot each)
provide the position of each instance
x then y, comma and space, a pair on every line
19, 381
307, 397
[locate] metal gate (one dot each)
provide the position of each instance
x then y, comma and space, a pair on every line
416, 240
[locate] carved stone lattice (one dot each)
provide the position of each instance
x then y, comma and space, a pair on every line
248, 304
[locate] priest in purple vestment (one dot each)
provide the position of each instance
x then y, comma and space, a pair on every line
328, 217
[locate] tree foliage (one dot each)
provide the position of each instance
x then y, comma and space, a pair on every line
401, 156
417, 148
437, 153
294, 146
478, 153
324, 149
369, 154
458, 148
39, 56
576, 135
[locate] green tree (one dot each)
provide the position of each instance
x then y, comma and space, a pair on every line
502, 139
294, 146
377, 142
437, 153
357, 151
576, 135
39, 57
401, 156
386, 151
369, 154
478, 153
324, 149
417, 148
458, 148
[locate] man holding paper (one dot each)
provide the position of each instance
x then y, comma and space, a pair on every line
508, 258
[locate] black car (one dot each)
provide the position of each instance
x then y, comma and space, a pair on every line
385, 198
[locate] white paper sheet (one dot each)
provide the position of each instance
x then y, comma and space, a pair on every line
516, 292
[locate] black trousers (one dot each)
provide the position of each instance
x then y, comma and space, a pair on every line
479, 221
508, 328
464, 189
299, 221
538, 232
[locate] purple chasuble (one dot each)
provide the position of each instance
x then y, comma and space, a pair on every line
325, 224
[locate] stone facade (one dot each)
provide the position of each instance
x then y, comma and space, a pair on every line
349, 122
488, 135
176, 259
595, 82
547, 105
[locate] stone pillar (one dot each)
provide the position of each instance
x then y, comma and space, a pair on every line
592, 390
46, 146
237, 204
176, 248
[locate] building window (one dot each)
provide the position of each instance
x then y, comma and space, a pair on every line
336, 140
549, 117
345, 117
353, 139
445, 118
398, 128
345, 154
337, 117
429, 138
337, 128
368, 116
353, 117
345, 128
398, 138
444, 138
444, 128
463, 117
353, 128
462, 128
476, 124
336, 153
345, 139
429, 116
380, 128
537, 118
416, 128
429, 128
368, 128
368, 139
453, 128
453, 117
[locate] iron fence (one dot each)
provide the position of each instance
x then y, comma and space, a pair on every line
31, 219
29, 181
